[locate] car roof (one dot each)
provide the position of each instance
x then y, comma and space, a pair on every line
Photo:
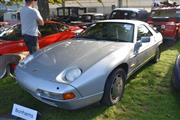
95, 14
166, 8
135, 22
130, 9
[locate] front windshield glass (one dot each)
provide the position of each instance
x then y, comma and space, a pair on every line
123, 15
163, 13
86, 18
110, 31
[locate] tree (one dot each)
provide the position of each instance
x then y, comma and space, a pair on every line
43, 5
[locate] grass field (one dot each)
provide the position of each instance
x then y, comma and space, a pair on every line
148, 96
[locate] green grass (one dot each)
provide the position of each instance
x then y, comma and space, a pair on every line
148, 96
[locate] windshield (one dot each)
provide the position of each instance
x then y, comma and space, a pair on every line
110, 31
123, 15
86, 18
90, 18
163, 13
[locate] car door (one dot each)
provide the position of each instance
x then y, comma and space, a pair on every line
12, 40
53, 32
145, 50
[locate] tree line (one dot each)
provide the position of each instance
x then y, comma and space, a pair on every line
43, 5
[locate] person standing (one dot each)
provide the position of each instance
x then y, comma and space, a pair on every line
30, 17
156, 3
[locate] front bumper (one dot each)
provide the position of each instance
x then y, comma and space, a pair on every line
32, 84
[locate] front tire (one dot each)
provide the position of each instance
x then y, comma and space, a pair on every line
114, 87
177, 35
157, 56
11, 70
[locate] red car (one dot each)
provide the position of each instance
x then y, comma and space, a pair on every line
167, 21
12, 45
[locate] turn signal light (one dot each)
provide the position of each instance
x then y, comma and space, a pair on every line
68, 96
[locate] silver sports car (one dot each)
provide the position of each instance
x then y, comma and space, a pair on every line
91, 68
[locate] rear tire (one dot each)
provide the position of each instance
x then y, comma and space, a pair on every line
4, 73
173, 84
157, 56
11, 71
177, 35
114, 87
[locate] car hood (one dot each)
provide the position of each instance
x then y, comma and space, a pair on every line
83, 54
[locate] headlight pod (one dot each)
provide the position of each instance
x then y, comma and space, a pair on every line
26, 60
72, 74
69, 75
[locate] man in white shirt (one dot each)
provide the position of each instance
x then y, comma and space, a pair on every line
30, 18
156, 3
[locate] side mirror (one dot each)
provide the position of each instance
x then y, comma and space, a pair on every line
145, 39
155, 28
138, 44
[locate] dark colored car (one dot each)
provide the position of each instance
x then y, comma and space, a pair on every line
176, 74
167, 21
129, 13
87, 19
12, 45
68, 14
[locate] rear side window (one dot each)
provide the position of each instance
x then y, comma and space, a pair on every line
163, 13
143, 31
143, 15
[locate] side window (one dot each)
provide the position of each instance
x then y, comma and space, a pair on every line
143, 31
178, 15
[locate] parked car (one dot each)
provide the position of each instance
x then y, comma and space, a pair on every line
87, 19
69, 14
91, 68
167, 21
129, 13
3, 26
12, 17
175, 74
12, 44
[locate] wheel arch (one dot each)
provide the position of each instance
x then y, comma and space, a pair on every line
124, 66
